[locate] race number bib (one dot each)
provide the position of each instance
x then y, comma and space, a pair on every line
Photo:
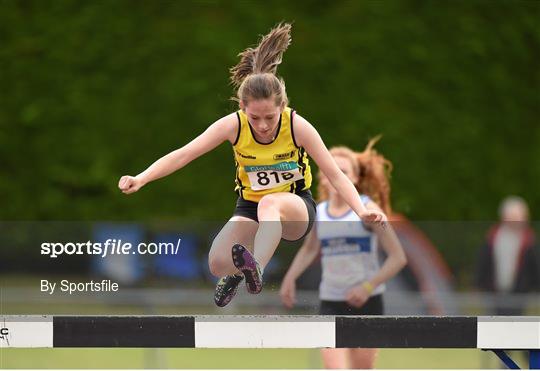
271, 176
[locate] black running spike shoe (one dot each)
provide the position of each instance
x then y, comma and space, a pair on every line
226, 288
246, 263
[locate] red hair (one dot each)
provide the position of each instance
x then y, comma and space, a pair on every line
373, 172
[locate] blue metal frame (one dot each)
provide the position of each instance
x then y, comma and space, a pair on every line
506, 359
534, 359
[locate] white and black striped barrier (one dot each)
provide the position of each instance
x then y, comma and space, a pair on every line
493, 333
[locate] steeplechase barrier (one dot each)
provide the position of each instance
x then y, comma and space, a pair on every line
266, 331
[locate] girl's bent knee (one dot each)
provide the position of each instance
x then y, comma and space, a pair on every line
268, 201
269, 208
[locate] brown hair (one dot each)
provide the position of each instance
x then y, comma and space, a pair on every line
373, 171
254, 77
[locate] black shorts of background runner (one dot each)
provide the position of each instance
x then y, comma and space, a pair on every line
374, 306
248, 209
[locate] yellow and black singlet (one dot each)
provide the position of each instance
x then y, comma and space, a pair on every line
263, 168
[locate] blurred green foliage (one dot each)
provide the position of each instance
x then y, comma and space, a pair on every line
90, 91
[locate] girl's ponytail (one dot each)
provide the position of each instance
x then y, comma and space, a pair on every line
254, 77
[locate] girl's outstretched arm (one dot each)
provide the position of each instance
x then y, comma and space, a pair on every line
395, 255
224, 129
394, 262
307, 137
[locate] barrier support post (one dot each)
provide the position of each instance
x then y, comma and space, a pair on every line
534, 359
505, 358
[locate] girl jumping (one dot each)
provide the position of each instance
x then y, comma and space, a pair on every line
352, 281
271, 144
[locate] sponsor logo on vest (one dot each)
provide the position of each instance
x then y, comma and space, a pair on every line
245, 156
283, 156
282, 166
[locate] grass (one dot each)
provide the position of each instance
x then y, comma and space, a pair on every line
233, 358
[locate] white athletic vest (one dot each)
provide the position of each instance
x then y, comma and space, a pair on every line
349, 253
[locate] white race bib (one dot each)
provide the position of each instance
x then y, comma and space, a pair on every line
271, 176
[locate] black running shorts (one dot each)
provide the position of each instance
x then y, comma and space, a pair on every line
248, 209
374, 306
